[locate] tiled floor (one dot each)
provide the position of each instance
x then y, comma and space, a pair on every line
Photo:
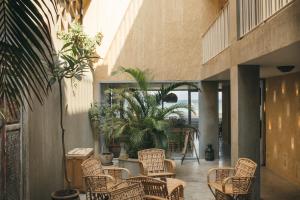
273, 187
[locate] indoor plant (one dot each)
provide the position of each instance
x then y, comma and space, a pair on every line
143, 123
95, 113
26, 52
74, 59
94, 117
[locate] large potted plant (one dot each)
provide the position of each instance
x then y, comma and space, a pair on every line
94, 117
95, 112
74, 59
143, 123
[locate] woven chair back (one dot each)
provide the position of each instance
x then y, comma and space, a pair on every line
127, 190
91, 167
152, 159
96, 183
151, 186
245, 168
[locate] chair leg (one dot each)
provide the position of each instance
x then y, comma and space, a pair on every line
243, 197
214, 193
222, 196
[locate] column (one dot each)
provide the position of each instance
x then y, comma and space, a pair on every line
226, 118
245, 117
208, 114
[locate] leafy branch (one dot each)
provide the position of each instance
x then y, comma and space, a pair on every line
75, 58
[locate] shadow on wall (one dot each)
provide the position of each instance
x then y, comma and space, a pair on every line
44, 150
164, 36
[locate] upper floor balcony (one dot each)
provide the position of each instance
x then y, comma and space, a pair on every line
216, 38
252, 13
249, 15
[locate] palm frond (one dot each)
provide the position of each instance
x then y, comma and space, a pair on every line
26, 49
137, 74
173, 109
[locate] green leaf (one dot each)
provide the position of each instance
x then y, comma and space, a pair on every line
26, 50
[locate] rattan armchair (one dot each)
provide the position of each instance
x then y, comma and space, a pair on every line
127, 190
99, 180
153, 163
93, 167
232, 183
97, 187
157, 189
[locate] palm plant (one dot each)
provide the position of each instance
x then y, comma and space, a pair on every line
143, 122
25, 50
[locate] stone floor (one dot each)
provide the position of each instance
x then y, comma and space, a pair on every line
273, 187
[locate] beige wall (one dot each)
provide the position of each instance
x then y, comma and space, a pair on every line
162, 36
44, 139
283, 126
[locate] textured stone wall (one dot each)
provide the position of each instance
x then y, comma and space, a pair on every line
43, 145
162, 36
283, 126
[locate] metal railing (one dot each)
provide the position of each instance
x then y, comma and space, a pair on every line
216, 39
254, 12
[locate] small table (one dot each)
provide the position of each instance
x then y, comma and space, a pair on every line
172, 183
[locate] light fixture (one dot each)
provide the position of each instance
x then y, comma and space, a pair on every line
170, 98
285, 68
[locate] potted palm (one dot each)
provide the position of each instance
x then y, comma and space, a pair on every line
74, 59
95, 112
143, 123
94, 117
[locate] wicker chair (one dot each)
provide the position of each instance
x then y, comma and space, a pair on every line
93, 167
127, 190
157, 189
232, 183
97, 187
100, 179
153, 163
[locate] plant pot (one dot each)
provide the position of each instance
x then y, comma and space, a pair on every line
115, 149
106, 158
68, 194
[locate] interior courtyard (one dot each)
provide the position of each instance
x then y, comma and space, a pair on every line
208, 83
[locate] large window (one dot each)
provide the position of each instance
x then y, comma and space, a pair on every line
185, 96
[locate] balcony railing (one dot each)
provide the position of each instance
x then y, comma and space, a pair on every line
254, 12
216, 39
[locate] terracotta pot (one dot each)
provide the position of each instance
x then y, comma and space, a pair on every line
69, 194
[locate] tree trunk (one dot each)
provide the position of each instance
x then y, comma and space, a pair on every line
63, 134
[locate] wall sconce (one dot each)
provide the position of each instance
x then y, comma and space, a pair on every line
285, 68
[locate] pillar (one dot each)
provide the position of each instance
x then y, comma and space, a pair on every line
245, 117
100, 143
226, 118
208, 114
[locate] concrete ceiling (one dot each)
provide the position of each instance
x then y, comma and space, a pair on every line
223, 76
289, 55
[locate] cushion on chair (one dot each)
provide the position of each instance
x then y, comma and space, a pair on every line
161, 174
218, 186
